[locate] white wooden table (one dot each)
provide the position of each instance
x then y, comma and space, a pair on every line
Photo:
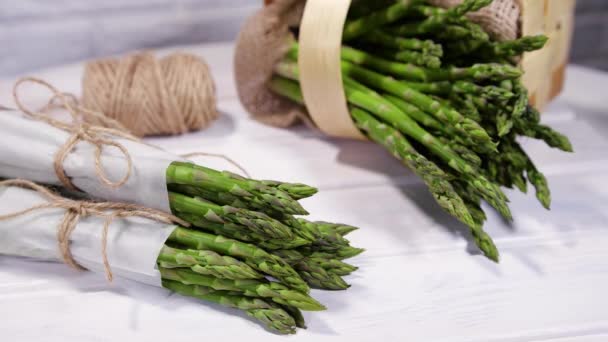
419, 280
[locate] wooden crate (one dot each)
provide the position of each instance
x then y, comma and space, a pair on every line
545, 69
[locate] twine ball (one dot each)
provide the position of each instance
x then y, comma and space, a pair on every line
170, 96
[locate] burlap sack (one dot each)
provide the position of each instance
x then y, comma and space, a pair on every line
265, 38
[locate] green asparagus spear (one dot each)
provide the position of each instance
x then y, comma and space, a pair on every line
547, 134
358, 27
489, 92
407, 71
419, 59
438, 18
323, 237
334, 266
250, 254
243, 235
431, 174
297, 191
446, 114
427, 47
249, 287
273, 317
296, 314
255, 193
394, 116
208, 263
340, 228
513, 48
388, 112
316, 276
230, 217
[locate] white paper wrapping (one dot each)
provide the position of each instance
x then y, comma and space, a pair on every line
132, 249
28, 148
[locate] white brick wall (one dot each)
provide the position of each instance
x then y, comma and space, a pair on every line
39, 33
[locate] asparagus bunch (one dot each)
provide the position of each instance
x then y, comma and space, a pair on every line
444, 98
239, 250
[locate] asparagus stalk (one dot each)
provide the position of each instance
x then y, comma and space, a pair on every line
536, 178
334, 266
433, 124
547, 134
431, 174
318, 272
414, 58
469, 128
273, 317
255, 257
521, 102
319, 278
324, 236
358, 27
249, 287
467, 6
299, 237
434, 177
428, 47
230, 218
465, 104
401, 149
393, 115
407, 71
296, 314
244, 236
207, 263
490, 92
513, 48
257, 194
340, 228
297, 191
438, 18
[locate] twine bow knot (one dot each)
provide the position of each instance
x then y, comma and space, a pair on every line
75, 210
80, 131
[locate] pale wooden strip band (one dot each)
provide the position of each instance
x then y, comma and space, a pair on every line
320, 71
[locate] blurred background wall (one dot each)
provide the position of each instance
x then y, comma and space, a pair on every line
590, 45
40, 33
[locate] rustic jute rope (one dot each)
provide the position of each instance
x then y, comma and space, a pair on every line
216, 155
75, 210
84, 131
150, 96
80, 131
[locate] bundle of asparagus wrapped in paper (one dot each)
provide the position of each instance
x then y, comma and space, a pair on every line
445, 98
246, 245
191, 263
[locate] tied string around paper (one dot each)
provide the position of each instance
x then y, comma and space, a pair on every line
83, 131
216, 155
80, 131
75, 210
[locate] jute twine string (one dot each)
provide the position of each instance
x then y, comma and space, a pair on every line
151, 96
75, 210
80, 131
88, 132
214, 155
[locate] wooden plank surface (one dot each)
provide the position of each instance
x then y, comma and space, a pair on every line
418, 281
